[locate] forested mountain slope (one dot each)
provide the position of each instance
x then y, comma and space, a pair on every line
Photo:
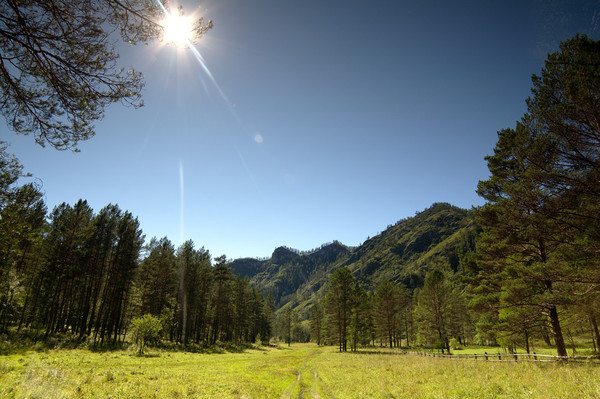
404, 252
287, 270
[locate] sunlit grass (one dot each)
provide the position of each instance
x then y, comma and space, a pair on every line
79, 373
406, 376
272, 372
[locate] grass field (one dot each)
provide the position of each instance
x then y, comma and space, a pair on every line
302, 371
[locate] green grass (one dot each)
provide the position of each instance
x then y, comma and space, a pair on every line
304, 371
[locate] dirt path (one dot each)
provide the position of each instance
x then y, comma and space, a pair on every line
307, 384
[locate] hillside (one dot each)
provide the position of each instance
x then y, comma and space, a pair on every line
404, 252
287, 270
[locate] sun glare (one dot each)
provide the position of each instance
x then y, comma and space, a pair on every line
178, 30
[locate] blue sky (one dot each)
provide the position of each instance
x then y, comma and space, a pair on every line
326, 120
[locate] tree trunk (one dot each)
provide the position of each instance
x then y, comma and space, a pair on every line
595, 330
558, 335
545, 335
407, 332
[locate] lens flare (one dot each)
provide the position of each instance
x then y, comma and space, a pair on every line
178, 30
181, 196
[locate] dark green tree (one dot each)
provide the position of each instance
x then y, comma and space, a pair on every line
540, 236
22, 225
222, 308
360, 313
64, 270
99, 249
338, 305
387, 311
564, 112
285, 325
433, 310
194, 285
317, 318
266, 319
159, 278
406, 324
119, 279
524, 237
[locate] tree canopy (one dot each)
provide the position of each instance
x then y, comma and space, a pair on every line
58, 63
539, 248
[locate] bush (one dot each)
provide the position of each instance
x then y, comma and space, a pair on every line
146, 330
455, 345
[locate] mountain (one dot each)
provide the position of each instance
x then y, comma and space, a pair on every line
289, 269
404, 253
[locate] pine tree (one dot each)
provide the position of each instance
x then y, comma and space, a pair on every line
317, 318
360, 313
222, 302
339, 303
22, 224
541, 220
433, 310
119, 279
387, 311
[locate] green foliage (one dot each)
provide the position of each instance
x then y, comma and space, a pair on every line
146, 330
288, 270
408, 249
317, 319
81, 274
339, 305
433, 310
534, 255
287, 320
22, 224
387, 309
159, 279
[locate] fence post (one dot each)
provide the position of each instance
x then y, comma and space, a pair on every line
534, 357
499, 356
515, 357
486, 356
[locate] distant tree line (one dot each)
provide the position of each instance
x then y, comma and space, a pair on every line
74, 271
311, 251
391, 315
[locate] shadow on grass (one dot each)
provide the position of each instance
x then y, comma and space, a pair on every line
32, 342
145, 355
13, 344
202, 348
378, 352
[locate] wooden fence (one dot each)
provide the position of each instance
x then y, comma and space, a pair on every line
514, 357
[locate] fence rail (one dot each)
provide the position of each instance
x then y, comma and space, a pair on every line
505, 357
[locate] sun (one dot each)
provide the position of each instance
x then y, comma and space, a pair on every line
178, 30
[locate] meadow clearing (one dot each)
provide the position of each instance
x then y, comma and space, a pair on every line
301, 371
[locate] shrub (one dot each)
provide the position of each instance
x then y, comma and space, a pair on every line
146, 330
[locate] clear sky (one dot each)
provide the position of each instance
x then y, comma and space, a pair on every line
324, 120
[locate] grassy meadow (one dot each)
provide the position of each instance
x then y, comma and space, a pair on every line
302, 371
